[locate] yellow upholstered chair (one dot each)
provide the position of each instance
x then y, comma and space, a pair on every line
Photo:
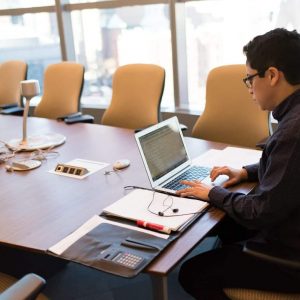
231, 116
137, 92
63, 84
27, 288
280, 256
11, 73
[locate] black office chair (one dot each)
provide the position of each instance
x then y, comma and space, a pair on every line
26, 288
276, 255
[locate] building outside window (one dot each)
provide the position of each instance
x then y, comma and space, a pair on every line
108, 38
187, 38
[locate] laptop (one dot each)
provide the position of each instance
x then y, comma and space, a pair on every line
166, 158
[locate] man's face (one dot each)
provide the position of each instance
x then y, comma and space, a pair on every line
260, 89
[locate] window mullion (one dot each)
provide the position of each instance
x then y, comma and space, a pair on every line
64, 25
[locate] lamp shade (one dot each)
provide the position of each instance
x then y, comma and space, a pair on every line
30, 88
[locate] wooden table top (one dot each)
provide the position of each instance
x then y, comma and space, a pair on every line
38, 208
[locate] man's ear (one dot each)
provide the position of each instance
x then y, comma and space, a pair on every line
273, 75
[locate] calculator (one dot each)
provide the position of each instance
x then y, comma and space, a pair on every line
128, 260
125, 259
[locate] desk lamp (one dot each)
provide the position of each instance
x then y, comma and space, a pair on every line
30, 89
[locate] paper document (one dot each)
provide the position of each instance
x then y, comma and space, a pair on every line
91, 166
231, 156
234, 157
89, 225
145, 205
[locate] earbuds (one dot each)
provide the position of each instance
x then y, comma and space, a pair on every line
174, 210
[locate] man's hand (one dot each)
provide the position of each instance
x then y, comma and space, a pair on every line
195, 189
200, 190
235, 175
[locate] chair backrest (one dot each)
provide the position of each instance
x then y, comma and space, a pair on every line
137, 92
231, 116
11, 73
63, 83
28, 287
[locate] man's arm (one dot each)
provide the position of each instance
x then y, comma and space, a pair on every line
252, 172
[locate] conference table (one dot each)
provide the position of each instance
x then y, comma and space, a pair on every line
38, 209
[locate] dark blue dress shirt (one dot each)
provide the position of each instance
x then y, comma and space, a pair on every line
274, 207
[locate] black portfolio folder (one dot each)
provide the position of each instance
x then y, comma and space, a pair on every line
116, 250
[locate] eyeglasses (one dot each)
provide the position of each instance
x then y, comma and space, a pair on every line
249, 79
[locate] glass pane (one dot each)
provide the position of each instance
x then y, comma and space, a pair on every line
218, 30
106, 39
86, 1
32, 38
6, 4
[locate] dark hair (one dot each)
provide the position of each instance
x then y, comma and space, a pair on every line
277, 48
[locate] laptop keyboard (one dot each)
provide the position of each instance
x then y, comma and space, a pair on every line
193, 173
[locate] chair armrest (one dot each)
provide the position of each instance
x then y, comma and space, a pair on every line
27, 288
275, 254
70, 116
262, 143
15, 111
79, 119
4, 106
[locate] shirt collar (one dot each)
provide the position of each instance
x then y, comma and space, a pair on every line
280, 111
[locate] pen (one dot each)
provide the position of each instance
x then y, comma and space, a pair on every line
128, 242
153, 226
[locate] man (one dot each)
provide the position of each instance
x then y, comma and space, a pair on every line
272, 213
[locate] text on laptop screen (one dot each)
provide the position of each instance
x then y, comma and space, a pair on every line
163, 150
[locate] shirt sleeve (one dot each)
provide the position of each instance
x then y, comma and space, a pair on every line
252, 171
275, 197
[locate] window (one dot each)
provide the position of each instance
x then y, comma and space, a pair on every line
6, 4
216, 32
32, 37
188, 38
107, 38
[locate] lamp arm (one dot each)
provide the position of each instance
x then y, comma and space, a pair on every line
25, 115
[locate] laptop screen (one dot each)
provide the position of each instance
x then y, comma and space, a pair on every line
163, 148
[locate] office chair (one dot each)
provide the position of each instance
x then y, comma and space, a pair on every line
11, 73
230, 115
63, 83
26, 288
277, 255
137, 92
